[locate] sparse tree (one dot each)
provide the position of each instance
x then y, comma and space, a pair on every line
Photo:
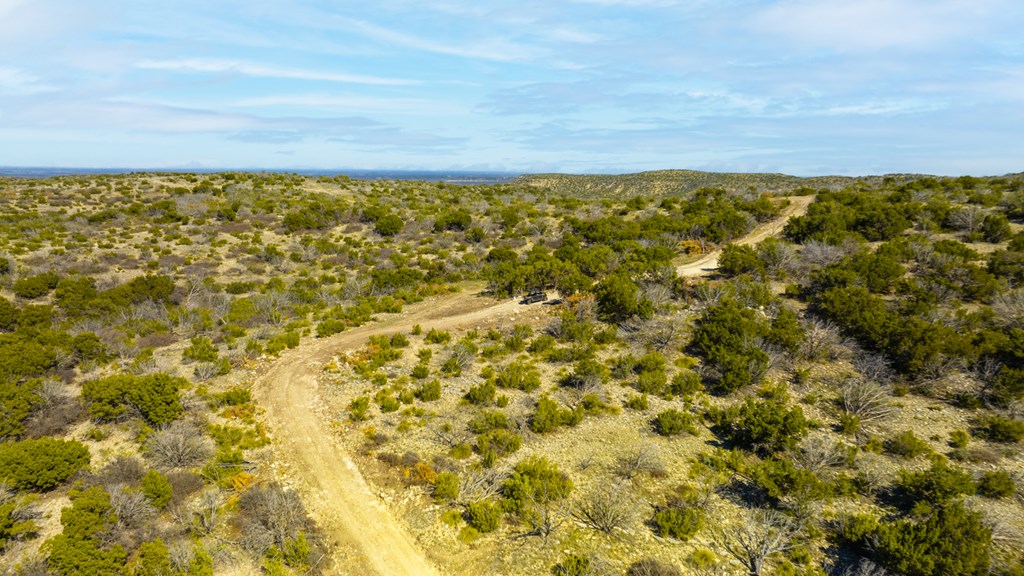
754, 541
607, 508
179, 445
866, 400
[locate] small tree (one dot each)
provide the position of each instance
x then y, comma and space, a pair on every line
389, 225
607, 508
952, 541
764, 534
672, 422
764, 426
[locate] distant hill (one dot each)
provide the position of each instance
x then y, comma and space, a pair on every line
682, 182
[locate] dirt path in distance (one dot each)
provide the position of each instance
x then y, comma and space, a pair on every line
708, 263
365, 537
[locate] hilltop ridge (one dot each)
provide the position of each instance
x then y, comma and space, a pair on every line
679, 182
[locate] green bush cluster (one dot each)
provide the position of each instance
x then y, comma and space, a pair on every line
672, 422
41, 464
550, 415
156, 397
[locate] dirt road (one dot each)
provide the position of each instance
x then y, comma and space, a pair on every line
344, 507
708, 263
368, 538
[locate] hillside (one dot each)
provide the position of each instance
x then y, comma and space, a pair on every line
267, 373
681, 182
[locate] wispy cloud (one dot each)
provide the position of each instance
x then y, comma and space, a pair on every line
494, 48
214, 66
365, 103
17, 82
790, 85
875, 24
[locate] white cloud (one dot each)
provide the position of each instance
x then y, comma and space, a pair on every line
846, 25
410, 106
496, 49
17, 82
216, 66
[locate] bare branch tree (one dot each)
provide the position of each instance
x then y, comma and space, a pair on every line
1009, 308
642, 460
607, 508
816, 253
658, 333
967, 219
479, 485
867, 400
818, 453
763, 534
179, 445
865, 568
822, 340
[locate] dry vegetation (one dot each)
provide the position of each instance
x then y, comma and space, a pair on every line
842, 399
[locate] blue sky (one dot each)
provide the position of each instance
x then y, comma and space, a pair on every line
796, 86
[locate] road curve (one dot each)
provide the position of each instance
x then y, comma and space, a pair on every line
332, 487
329, 482
708, 263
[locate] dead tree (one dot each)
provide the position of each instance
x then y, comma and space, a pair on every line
754, 541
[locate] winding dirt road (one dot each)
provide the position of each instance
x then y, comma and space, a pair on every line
362, 530
708, 263
331, 485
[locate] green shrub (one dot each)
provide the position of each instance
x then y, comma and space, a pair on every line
387, 402
996, 484
31, 287
737, 259
483, 515
907, 445
435, 336
157, 489
330, 327
619, 298
16, 403
453, 220
573, 565
234, 396
685, 383
780, 478
482, 394
535, 481
951, 542
82, 549
14, 525
429, 391
420, 371
550, 415
155, 396
1000, 429
358, 408
678, 522
388, 225
959, 438
43, 464
500, 442
446, 487
638, 402
939, 484
672, 422
725, 335
519, 375
541, 344
764, 426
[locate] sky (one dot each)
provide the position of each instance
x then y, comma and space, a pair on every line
803, 87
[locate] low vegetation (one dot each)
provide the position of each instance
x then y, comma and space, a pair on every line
842, 398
